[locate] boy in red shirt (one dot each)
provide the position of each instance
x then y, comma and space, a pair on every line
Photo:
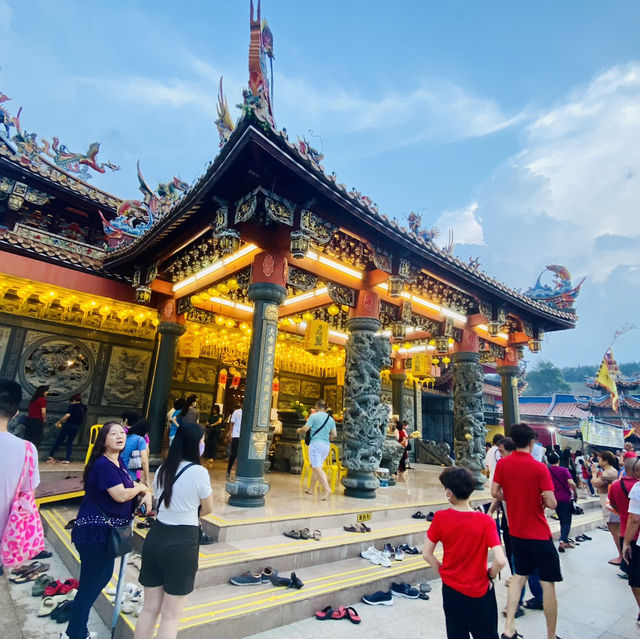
527, 488
468, 595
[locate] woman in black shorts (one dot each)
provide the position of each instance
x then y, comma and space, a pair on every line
170, 552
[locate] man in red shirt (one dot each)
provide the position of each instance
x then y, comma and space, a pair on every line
468, 595
619, 499
527, 488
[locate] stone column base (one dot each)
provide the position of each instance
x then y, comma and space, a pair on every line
360, 484
247, 492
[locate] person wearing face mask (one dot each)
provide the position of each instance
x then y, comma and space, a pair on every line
466, 536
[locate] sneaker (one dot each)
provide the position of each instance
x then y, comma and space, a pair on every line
379, 598
404, 590
247, 579
90, 635
388, 550
66, 461
370, 552
399, 554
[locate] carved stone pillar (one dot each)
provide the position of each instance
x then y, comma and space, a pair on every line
164, 359
508, 370
469, 432
267, 291
365, 417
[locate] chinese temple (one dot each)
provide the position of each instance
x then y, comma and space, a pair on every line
266, 281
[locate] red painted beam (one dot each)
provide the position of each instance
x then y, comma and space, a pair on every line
27, 268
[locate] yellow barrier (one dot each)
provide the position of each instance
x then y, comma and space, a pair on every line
92, 440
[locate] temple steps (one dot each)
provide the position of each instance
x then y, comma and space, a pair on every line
331, 569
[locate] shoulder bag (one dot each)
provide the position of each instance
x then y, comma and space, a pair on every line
23, 536
120, 537
308, 435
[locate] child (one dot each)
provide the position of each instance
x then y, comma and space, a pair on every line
468, 595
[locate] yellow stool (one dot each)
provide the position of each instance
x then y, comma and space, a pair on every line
95, 429
333, 467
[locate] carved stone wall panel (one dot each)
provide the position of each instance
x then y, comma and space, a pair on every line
301, 280
65, 364
198, 373
127, 376
245, 208
102, 361
468, 414
14, 350
311, 391
179, 370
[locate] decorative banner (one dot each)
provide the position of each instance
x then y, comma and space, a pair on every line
222, 377
189, 346
235, 382
316, 337
601, 434
421, 365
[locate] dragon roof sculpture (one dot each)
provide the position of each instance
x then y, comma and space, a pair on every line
562, 295
30, 151
135, 217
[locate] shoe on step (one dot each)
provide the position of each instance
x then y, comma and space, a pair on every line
379, 598
404, 590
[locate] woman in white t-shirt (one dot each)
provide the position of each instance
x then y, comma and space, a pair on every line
170, 551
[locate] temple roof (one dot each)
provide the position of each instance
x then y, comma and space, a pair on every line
252, 134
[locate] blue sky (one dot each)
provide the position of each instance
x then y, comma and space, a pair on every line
515, 124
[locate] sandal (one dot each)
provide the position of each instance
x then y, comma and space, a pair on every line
340, 613
354, 617
40, 585
25, 577
49, 604
325, 613
292, 534
533, 604
352, 528
63, 612
317, 535
70, 524
25, 568
419, 515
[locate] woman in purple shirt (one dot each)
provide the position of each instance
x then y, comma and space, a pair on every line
564, 488
110, 489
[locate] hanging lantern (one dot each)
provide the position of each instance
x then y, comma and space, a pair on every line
298, 244
143, 295
333, 310
398, 330
396, 286
442, 345
535, 345
446, 360
228, 241
233, 284
307, 316
316, 336
493, 328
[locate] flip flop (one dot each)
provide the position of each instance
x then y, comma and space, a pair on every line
419, 515
340, 613
40, 584
317, 535
70, 524
25, 577
293, 534
49, 604
25, 568
354, 617
324, 614
613, 562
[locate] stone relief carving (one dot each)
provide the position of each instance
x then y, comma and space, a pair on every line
311, 390
201, 373
431, 453
64, 364
246, 207
365, 417
320, 230
469, 431
127, 376
5, 332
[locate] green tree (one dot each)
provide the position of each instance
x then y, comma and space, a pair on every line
545, 379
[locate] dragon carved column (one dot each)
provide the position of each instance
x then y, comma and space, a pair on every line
469, 431
508, 371
365, 417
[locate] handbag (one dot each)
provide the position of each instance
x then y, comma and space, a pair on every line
135, 461
120, 537
308, 435
23, 536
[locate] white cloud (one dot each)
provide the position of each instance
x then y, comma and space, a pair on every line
432, 110
576, 179
465, 223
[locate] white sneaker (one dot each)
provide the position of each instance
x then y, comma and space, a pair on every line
370, 552
399, 554
383, 561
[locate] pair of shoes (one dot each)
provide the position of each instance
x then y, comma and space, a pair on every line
533, 604
375, 557
404, 590
43, 554
349, 613
409, 550
419, 515
253, 579
583, 537
285, 582
357, 527
379, 598
305, 533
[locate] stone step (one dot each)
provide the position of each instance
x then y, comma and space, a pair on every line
331, 569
